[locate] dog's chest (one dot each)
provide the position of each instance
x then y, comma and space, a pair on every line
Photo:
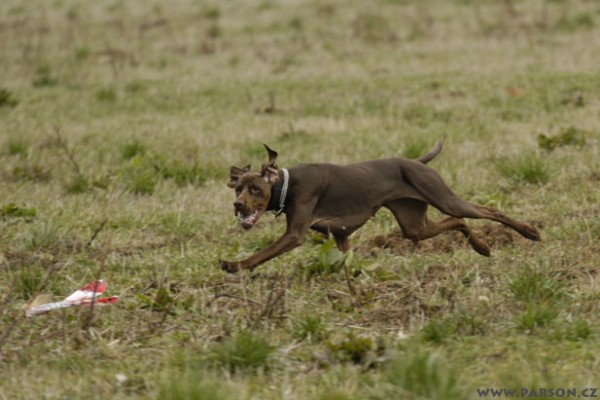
341, 225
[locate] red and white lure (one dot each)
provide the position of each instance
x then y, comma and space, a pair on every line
82, 297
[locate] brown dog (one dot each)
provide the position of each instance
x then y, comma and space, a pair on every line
337, 200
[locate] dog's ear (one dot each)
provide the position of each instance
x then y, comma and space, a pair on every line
270, 171
235, 173
272, 154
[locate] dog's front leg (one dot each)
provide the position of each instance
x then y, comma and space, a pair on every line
284, 244
298, 223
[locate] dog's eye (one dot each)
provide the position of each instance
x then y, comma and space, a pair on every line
238, 190
255, 190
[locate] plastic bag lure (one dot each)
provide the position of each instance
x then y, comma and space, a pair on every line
82, 297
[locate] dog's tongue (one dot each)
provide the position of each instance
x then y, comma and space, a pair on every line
248, 221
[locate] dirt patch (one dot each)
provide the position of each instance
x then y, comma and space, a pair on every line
389, 317
437, 272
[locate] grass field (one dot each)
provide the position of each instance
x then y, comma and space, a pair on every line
119, 121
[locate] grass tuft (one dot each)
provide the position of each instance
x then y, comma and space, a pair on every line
419, 373
438, 331
17, 147
27, 281
334, 394
532, 285
184, 175
567, 137
310, 327
355, 349
536, 316
7, 98
460, 324
11, 210
527, 168
329, 260
540, 294
132, 149
580, 329
79, 184
579, 21
246, 352
140, 175
191, 385
35, 173
415, 149
42, 235
106, 95
43, 77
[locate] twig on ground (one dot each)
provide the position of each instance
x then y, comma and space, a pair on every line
275, 295
96, 232
90, 317
231, 296
69, 152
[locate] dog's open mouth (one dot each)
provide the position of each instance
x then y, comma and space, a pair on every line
248, 220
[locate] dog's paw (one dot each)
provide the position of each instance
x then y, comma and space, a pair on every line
231, 267
530, 233
480, 246
534, 235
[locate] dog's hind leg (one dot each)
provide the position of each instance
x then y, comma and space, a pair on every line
459, 208
435, 191
412, 217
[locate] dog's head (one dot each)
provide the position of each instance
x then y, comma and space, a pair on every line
253, 189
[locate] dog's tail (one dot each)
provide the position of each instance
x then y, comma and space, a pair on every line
425, 158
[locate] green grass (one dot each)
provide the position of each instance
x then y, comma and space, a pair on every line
419, 373
246, 352
42, 234
192, 385
526, 168
7, 98
154, 103
16, 147
310, 327
77, 184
